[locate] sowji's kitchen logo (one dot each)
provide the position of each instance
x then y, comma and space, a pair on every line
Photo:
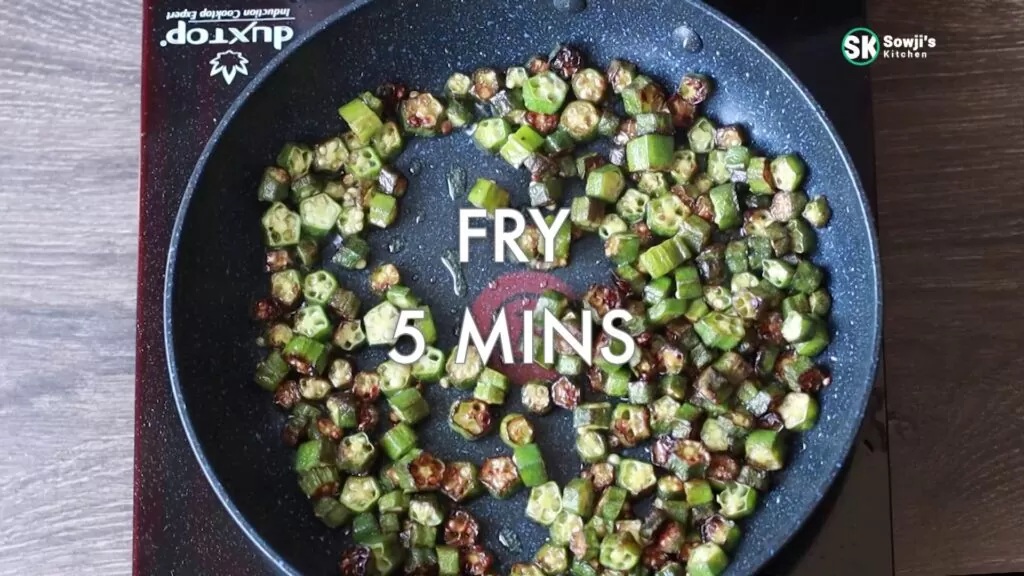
229, 30
861, 46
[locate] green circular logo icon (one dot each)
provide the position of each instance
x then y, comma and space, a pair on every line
860, 46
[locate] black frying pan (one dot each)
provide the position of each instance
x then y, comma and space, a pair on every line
215, 260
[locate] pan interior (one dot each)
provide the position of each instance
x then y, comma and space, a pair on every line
217, 263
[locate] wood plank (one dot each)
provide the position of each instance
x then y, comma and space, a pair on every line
949, 186
69, 85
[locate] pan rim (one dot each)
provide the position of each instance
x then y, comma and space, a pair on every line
820, 487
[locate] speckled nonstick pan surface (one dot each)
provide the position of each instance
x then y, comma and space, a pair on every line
216, 256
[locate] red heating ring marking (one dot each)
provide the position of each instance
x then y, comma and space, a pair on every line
515, 293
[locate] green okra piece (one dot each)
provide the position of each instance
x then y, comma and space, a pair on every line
643, 391
448, 561
726, 206
307, 355
544, 93
520, 146
430, 366
689, 460
297, 159
361, 119
388, 143
788, 206
765, 449
820, 302
281, 226
552, 559
658, 289
654, 123
331, 512
605, 183
491, 386
632, 206
798, 327
788, 172
817, 212
544, 503
559, 142
620, 551
665, 215
409, 406
701, 136
587, 213
807, 277
654, 183
650, 152
799, 411
716, 167
635, 477
662, 258
515, 430
398, 441
611, 503
592, 416
461, 481
365, 527
547, 192
759, 176
470, 418
271, 371
591, 446
695, 232
395, 501
802, 237
530, 463
707, 560
356, 453
579, 497
360, 493
611, 224
622, 247
667, 310
719, 330
719, 530
566, 524
491, 134
581, 120
274, 185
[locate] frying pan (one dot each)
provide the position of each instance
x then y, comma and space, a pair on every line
214, 267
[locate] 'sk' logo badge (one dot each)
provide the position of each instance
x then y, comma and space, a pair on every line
229, 63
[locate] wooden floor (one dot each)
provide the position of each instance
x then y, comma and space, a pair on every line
949, 139
950, 143
69, 117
